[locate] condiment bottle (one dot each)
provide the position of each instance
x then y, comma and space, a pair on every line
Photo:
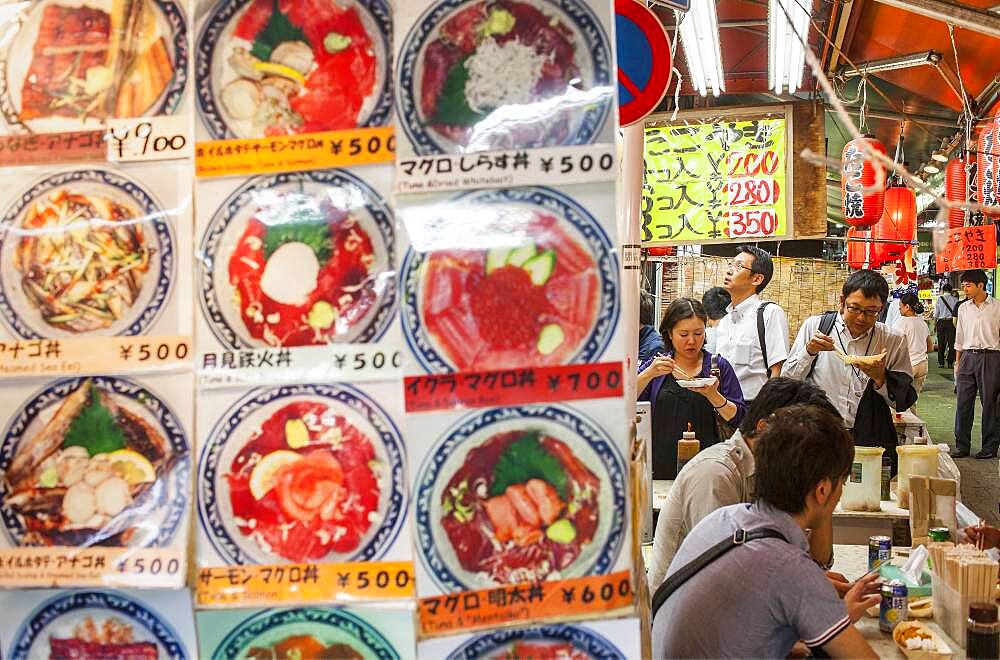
687, 447
982, 632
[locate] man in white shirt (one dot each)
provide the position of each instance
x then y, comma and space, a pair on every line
739, 333
818, 356
977, 366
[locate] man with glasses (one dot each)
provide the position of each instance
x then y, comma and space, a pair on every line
865, 391
977, 366
753, 336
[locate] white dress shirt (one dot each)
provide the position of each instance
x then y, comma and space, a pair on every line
845, 385
978, 326
914, 330
941, 310
737, 340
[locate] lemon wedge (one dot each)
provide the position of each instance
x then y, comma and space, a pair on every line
280, 70
296, 433
262, 477
132, 466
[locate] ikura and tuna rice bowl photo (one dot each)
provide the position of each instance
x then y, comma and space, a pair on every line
285, 67
507, 74
516, 495
537, 297
300, 263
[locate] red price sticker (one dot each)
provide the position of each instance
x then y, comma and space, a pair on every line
483, 389
969, 248
579, 598
751, 191
751, 222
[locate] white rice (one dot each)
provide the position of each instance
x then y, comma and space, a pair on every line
502, 75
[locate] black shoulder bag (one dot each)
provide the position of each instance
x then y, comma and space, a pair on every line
675, 581
760, 336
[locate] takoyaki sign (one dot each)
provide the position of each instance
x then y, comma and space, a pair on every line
716, 181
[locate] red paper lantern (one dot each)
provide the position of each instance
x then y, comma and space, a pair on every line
857, 250
899, 223
988, 165
858, 172
955, 190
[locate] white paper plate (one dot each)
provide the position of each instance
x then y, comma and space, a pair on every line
696, 382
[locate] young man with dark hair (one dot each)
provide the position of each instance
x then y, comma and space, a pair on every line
945, 312
716, 302
762, 596
977, 366
650, 341
753, 336
723, 474
863, 366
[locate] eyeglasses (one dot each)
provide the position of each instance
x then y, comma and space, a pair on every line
857, 311
735, 265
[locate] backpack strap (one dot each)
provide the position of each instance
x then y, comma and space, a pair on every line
760, 336
951, 309
826, 323
689, 570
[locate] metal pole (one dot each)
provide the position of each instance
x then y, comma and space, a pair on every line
958, 15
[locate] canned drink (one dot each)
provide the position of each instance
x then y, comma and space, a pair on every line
894, 606
939, 534
879, 551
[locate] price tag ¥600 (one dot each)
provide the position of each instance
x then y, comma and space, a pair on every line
153, 138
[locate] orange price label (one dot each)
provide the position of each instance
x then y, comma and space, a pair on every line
91, 355
289, 153
488, 608
285, 584
969, 248
86, 567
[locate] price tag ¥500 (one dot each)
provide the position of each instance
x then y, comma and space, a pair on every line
154, 138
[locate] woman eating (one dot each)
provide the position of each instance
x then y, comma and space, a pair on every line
675, 406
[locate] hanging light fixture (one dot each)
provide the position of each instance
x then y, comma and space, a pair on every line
787, 25
931, 168
700, 37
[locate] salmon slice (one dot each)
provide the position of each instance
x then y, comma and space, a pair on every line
524, 505
502, 516
546, 500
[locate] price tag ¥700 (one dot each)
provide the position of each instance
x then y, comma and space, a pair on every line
154, 138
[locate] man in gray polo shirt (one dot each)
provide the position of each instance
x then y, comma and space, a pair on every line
762, 597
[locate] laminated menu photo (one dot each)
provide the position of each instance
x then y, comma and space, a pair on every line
614, 639
71, 66
96, 480
296, 259
359, 631
95, 251
518, 494
510, 278
301, 474
269, 69
474, 75
97, 623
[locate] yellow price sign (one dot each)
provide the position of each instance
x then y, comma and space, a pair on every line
715, 182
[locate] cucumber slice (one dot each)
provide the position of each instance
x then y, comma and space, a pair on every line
496, 257
550, 338
540, 268
519, 256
